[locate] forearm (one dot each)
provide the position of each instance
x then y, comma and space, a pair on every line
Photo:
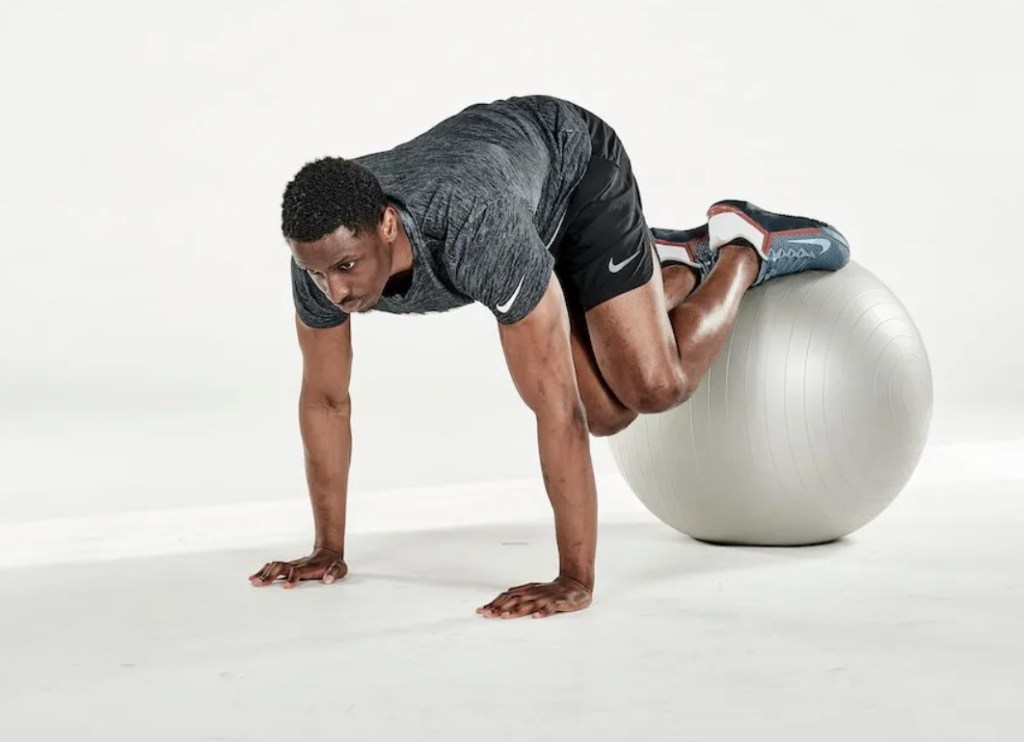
569, 479
327, 443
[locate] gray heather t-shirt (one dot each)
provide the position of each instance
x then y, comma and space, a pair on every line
481, 195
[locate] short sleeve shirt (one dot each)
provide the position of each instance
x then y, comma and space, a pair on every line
481, 195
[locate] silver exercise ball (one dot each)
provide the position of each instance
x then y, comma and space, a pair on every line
807, 426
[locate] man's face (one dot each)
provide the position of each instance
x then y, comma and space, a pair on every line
350, 269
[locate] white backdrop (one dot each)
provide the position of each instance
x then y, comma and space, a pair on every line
148, 350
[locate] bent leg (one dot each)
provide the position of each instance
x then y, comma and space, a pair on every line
650, 341
653, 358
606, 414
705, 319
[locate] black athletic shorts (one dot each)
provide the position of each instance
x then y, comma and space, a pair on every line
604, 247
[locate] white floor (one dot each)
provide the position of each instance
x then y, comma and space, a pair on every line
142, 626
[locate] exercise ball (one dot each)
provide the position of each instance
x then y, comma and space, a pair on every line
807, 426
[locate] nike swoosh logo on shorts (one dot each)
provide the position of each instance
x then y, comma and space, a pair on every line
823, 244
503, 308
616, 267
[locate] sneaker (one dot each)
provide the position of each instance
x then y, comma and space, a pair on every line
685, 247
785, 244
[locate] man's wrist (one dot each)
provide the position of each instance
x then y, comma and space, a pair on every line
339, 552
585, 581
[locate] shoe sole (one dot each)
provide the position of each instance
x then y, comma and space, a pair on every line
676, 252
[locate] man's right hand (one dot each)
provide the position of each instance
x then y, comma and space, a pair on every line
323, 564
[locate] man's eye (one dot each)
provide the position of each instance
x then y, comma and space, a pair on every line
347, 266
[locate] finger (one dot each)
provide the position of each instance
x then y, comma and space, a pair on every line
302, 573
261, 573
490, 607
522, 588
508, 599
269, 573
546, 610
569, 605
334, 572
485, 610
490, 610
507, 607
520, 609
292, 578
503, 602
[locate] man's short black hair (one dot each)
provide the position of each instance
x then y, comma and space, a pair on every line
329, 193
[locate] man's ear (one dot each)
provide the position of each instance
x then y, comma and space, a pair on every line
389, 223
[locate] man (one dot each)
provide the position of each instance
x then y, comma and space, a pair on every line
528, 206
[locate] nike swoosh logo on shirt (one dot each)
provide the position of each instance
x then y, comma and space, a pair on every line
503, 308
616, 267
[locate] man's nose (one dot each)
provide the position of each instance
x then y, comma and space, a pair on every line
336, 289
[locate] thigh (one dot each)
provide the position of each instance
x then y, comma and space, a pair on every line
607, 261
634, 346
605, 247
606, 414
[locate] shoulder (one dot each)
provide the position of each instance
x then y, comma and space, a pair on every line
488, 217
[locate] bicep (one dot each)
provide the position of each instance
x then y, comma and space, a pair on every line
326, 362
538, 352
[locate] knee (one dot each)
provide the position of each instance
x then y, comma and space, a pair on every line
611, 423
660, 393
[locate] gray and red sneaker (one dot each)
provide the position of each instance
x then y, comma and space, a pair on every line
685, 247
786, 244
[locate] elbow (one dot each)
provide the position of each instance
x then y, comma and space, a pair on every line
569, 415
325, 402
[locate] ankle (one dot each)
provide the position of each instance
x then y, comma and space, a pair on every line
742, 255
740, 250
739, 244
678, 282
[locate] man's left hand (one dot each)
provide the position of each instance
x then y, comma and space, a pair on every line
539, 599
